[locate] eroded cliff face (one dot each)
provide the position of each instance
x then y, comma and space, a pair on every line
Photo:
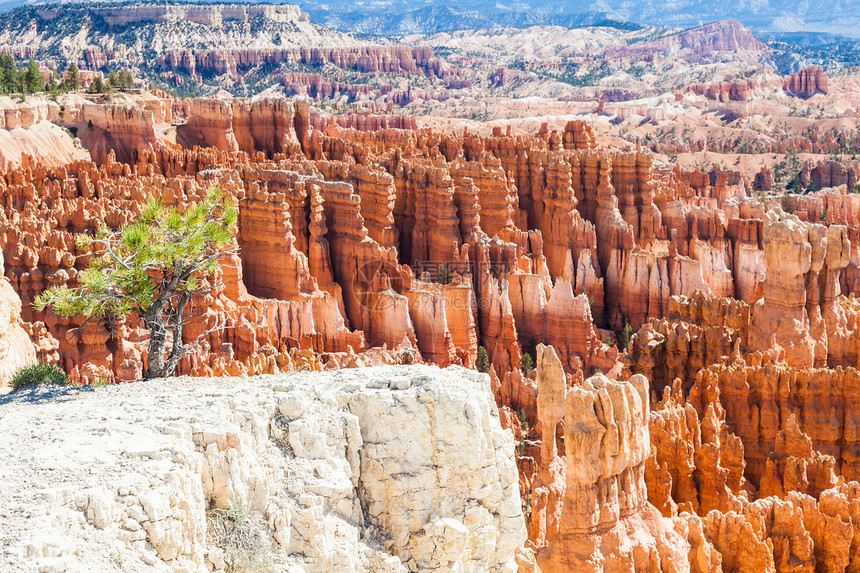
395, 60
808, 82
751, 437
516, 225
362, 244
801, 289
749, 458
206, 15
384, 469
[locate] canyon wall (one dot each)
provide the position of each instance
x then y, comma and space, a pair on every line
704, 44
542, 239
362, 243
204, 15
807, 82
751, 439
804, 83
396, 60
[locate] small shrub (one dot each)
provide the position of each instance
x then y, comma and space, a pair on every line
624, 336
238, 533
527, 363
444, 275
793, 186
824, 216
482, 362
98, 382
523, 419
38, 374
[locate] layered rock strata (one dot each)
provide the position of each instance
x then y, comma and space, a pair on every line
570, 235
807, 82
361, 244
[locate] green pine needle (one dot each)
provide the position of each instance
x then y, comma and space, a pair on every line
125, 273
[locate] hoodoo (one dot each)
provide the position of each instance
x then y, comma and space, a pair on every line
545, 294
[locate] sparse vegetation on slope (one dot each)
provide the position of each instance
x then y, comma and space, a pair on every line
38, 374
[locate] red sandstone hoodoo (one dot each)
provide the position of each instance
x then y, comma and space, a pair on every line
723, 425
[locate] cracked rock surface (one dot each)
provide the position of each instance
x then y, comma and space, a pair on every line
372, 469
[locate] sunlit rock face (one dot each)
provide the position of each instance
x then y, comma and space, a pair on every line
378, 469
725, 424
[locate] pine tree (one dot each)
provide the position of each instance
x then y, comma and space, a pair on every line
121, 80
623, 336
126, 82
152, 267
9, 78
444, 275
527, 363
73, 77
51, 85
33, 78
97, 86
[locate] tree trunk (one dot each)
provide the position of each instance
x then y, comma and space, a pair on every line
178, 350
155, 364
158, 366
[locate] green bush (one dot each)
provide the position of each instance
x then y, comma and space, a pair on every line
38, 374
523, 420
527, 363
444, 275
623, 336
482, 362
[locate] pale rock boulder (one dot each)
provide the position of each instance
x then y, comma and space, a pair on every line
387, 469
438, 472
